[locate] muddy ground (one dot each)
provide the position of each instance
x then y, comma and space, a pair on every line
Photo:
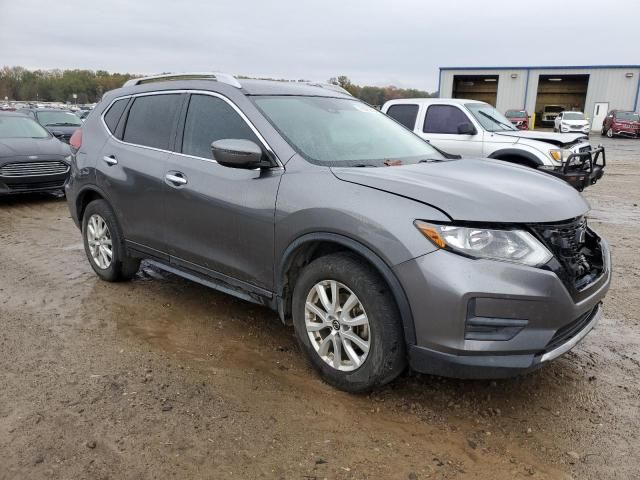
162, 378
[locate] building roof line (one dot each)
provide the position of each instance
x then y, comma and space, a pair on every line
543, 67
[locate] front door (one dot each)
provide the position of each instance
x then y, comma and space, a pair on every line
440, 127
219, 220
600, 111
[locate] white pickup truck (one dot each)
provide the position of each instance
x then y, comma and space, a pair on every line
471, 128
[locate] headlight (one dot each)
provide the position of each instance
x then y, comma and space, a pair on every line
516, 246
68, 158
559, 155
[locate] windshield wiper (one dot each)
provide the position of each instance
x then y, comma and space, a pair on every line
62, 124
432, 160
495, 120
362, 165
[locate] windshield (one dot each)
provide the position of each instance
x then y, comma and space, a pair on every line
490, 118
572, 116
20, 127
343, 132
554, 108
60, 119
515, 114
629, 116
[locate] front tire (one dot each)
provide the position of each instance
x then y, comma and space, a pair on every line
347, 323
104, 244
610, 133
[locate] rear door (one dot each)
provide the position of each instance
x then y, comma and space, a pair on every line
440, 127
132, 164
219, 220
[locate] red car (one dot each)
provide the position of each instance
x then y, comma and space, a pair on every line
520, 118
619, 122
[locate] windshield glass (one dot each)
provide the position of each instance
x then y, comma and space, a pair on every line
20, 127
553, 108
572, 116
515, 114
343, 132
628, 116
62, 119
490, 118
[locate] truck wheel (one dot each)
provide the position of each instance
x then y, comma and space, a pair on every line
347, 323
104, 244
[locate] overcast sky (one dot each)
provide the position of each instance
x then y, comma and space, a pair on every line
379, 42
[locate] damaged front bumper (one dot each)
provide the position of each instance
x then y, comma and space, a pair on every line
583, 168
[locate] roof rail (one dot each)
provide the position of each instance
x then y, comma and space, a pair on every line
329, 86
218, 76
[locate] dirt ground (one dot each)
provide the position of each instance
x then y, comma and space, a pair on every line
162, 378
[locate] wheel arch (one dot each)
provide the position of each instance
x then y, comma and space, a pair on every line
514, 155
85, 197
311, 246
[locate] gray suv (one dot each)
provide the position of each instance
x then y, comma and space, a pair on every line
378, 248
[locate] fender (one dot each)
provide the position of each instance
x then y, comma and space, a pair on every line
378, 263
514, 152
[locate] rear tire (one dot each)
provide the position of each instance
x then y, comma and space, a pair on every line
104, 244
361, 325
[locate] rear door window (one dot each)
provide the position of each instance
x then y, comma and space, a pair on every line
405, 114
209, 119
151, 120
114, 113
443, 119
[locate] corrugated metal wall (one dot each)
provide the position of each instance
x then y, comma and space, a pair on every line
605, 85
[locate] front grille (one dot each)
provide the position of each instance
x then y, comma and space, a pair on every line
33, 169
33, 186
570, 330
577, 250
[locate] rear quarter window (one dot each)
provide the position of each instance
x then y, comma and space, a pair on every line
114, 113
151, 120
406, 114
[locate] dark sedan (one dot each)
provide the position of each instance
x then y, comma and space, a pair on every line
31, 159
60, 123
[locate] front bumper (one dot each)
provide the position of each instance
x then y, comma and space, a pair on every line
41, 183
581, 169
586, 129
448, 292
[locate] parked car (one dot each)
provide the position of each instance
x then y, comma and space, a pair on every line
571, 122
622, 123
475, 129
378, 249
31, 159
520, 118
549, 113
61, 123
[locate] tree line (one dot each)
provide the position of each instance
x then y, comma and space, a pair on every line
378, 95
19, 83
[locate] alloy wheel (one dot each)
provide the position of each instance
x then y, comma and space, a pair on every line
99, 240
337, 325
610, 133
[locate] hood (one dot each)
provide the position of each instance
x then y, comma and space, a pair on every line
478, 190
558, 139
20, 147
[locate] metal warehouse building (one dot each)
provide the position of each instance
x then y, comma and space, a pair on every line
592, 89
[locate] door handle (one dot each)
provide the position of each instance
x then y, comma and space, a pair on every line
110, 160
176, 178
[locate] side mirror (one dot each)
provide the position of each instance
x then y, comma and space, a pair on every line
466, 129
237, 153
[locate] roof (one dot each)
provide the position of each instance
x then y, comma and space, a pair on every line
457, 101
247, 87
543, 67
